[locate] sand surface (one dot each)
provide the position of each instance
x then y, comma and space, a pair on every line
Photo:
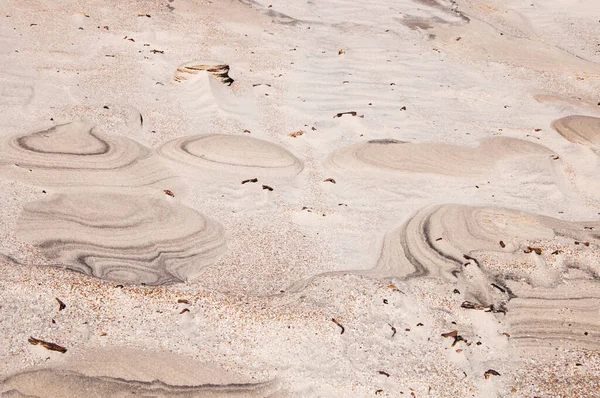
300, 199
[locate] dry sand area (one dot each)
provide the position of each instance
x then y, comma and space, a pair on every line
260, 198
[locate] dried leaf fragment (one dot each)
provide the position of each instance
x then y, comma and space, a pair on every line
530, 249
459, 338
353, 113
267, 187
331, 180
502, 245
47, 345
61, 305
167, 192
250, 180
341, 52
453, 333
182, 301
382, 372
296, 134
490, 372
473, 306
247, 131
183, 311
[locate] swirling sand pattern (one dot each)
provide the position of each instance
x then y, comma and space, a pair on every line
62, 383
232, 153
122, 238
432, 158
583, 130
76, 154
436, 239
490, 255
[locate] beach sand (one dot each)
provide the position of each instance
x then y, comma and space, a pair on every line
300, 199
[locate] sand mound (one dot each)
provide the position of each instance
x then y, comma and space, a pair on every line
77, 154
583, 130
452, 160
127, 372
496, 255
232, 153
122, 238
219, 71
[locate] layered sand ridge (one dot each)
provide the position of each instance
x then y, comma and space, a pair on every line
127, 372
582, 130
389, 156
77, 154
507, 261
232, 154
122, 238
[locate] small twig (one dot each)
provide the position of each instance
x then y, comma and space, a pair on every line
393, 330
339, 324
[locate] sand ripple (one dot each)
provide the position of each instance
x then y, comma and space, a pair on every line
232, 153
122, 238
77, 154
433, 158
